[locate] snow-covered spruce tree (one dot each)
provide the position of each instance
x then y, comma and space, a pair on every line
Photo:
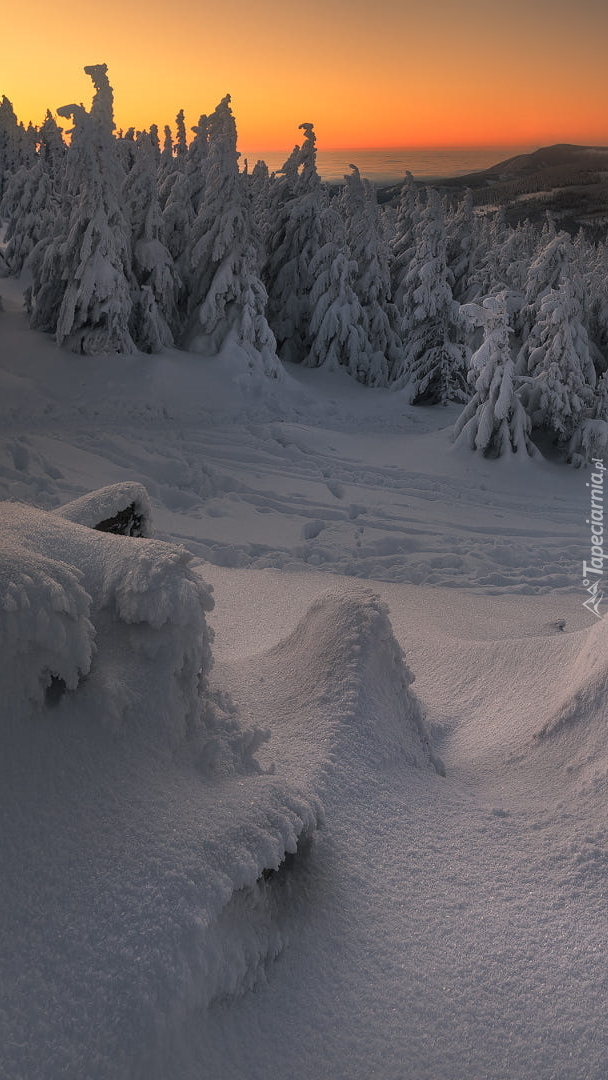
372, 284
125, 149
177, 218
33, 193
174, 196
182, 189
494, 423
259, 187
52, 150
486, 270
403, 241
154, 322
155, 140
516, 254
227, 297
17, 148
461, 238
196, 163
294, 241
270, 205
181, 138
590, 439
434, 364
337, 324
9, 143
597, 284
559, 363
31, 198
166, 165
552, 264
82, 278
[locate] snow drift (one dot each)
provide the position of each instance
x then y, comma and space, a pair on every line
138, 824
64, 586
575, 728
341, 688
149, 858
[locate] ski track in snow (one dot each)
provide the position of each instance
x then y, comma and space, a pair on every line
217, 492
429, 927
275, 478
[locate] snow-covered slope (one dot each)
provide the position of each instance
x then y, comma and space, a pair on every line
294, 861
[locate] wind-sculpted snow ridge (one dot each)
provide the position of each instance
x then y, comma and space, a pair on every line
340, 687
349, 646
576, 724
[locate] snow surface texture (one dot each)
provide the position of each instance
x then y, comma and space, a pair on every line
91, 787
107, 724
263, 872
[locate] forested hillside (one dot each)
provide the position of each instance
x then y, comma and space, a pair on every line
129, 243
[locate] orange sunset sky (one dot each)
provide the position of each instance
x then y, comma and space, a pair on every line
367, 73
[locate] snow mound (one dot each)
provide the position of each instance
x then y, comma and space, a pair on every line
66, 590
119, 508
142, 843
45, 627
586, 686
347, 668
573, 735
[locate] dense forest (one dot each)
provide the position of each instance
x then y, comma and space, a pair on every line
128, 242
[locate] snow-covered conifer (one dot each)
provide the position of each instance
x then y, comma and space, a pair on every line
494, 422
598, 306
296, 238
176, 186
154, 319
337, 324
196, 163
9, 143
260, 197
560, 365
590, 438
228, 299
487, 274
125, 149
172, 170
177, 218
52, 149
434, 362
155, 141
181, 138
82, 277
552, 264
31, 199
369, 249
516, 254
403, 242
166, 165
461, 238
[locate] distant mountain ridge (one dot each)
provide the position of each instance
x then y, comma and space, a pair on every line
561, 155
568, 180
